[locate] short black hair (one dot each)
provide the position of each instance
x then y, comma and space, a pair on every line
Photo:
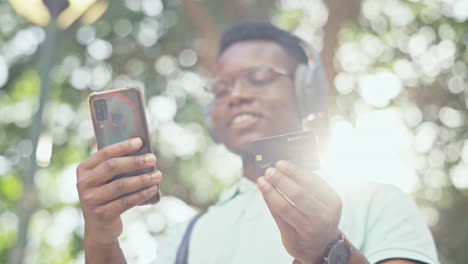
260, 30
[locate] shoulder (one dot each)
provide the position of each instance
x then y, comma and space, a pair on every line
366, 195
374, 205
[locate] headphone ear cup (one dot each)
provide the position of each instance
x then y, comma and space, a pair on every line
311, 94
311, 88
207, 110
304, 83
299, 87
320, 91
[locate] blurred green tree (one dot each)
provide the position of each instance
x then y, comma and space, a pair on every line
167, 48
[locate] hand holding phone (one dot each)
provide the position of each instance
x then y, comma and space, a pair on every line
121, 174
102, 202
119, 115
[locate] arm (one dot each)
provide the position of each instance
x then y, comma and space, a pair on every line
103, 253
307, 212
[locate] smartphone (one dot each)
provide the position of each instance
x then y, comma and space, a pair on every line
300, 148
118, 115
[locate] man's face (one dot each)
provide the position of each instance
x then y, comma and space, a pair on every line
249, 112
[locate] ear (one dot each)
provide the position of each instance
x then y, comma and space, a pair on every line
207, 111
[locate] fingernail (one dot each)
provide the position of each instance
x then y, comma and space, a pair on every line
151, 189
269, 172
261, 182
150, 158
282, 164
136, 142
155, 176
152, 176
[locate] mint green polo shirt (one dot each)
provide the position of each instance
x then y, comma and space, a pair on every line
380, 221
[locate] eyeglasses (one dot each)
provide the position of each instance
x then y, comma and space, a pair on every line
252, 78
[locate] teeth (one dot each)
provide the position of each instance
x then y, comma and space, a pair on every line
242, 118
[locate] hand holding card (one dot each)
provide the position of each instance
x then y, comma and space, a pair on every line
305, 207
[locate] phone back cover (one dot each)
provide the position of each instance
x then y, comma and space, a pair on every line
125, 119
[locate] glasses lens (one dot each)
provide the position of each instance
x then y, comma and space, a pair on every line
260, 76
253, 77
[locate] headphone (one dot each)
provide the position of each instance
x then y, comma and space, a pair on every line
310, 84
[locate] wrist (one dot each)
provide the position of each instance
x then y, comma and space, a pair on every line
93, 240
92, 244
339, 251
100, 236
317, 256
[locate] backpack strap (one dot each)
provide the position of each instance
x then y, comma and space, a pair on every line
182, 252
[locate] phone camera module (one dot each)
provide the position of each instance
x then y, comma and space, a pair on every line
100, 108
117, 118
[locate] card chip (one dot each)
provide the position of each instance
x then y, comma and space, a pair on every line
259, 157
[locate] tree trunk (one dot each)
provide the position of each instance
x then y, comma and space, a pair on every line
339, 12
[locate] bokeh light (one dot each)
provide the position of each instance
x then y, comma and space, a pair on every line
397, 111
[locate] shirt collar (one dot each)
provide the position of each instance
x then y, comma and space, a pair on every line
246, 185
243, 185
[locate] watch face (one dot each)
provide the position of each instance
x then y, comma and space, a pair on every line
339, 254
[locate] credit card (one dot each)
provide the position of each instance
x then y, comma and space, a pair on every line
300, 148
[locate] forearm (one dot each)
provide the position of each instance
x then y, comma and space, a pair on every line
96, 253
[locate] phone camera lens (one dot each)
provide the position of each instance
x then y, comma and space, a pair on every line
101, 109
117, 118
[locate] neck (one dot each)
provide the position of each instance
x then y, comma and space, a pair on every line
248, 165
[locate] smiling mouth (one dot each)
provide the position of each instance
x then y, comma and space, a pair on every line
243, 121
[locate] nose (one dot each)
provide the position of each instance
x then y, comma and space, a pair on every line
239, 93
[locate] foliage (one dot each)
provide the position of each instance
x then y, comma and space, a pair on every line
161, 46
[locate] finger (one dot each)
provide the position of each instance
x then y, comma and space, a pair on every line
288, 232
115, 166
119, 206
278, 204
283, 226
112, 151
154, 199
126, 185
304, 201
318, 187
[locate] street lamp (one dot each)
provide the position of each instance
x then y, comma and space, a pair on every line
52, 14
65, 12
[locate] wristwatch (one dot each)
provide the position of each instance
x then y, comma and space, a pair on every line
338, 252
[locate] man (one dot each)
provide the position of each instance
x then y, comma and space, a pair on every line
288, 215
